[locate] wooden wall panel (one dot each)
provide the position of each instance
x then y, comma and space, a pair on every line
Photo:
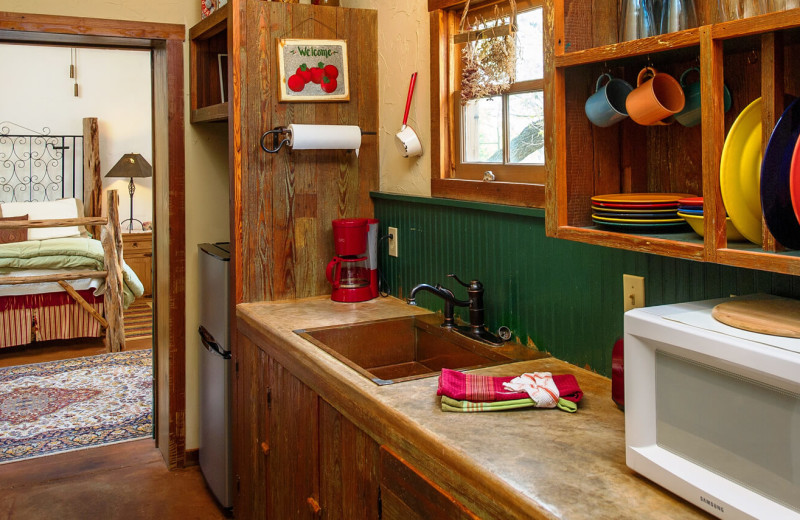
284, 203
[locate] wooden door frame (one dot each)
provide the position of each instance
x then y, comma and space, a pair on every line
165, 41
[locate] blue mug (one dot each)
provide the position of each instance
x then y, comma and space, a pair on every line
691, 115
606, 106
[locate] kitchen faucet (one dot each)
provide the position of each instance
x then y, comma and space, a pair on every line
476, 329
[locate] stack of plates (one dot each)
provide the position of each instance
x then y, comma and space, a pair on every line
654, 212
691, 209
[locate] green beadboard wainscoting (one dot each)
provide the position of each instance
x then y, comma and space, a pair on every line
563, 297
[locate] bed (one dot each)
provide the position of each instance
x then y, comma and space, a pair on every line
57, 280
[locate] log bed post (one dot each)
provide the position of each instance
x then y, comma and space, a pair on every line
92, 183
112, 245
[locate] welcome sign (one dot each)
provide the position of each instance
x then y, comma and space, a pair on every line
312, 70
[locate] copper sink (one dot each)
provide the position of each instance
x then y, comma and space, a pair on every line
401, 349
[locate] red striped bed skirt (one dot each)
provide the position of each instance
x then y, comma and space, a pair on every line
42, 317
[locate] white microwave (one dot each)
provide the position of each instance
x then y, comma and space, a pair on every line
712, 412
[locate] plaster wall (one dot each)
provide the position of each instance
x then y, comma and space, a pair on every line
207, 199
403, 48
113, 86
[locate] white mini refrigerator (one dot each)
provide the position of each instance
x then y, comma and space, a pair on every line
215, 381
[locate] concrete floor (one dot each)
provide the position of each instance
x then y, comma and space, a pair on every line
117, 482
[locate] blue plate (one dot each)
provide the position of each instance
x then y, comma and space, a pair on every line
776, 197
691, 211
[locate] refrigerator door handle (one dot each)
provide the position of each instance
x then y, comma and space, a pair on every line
210, 343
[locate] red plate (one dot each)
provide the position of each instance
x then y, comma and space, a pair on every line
794, 180
620, 205
691, 202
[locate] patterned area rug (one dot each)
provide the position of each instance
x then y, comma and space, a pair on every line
47, 408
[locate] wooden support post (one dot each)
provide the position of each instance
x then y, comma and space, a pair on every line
83, 303
92, 183
112, 246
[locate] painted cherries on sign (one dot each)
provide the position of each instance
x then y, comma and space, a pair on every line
322, 75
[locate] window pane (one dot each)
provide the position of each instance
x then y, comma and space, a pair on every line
526, 128
530, 53
482, 125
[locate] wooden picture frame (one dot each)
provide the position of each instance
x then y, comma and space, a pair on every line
302, 79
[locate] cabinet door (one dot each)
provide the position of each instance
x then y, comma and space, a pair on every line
349, 461
251, 447
293, 484
406, 494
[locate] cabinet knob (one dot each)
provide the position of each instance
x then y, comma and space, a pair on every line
265, 448
314, 507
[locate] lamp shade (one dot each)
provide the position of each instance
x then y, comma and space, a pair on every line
131, 165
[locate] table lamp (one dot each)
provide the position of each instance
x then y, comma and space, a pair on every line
131, 165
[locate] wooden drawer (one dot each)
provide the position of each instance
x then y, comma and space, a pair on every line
137, 250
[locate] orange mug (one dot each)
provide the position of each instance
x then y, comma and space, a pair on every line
654, 99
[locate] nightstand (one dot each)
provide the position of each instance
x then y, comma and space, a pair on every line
137, 250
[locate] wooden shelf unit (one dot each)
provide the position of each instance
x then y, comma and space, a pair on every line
207, 40
752, 57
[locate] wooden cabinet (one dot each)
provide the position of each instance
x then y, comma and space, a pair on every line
208, 47
137, 251
406, 494
752, 57
295, 455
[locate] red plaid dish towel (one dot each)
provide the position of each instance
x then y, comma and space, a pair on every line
477, 388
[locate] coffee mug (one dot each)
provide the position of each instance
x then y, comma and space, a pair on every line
654, 99
691, 113
607, 105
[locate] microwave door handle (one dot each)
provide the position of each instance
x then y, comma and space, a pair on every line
210, 343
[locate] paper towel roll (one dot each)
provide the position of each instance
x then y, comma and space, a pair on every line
325, 137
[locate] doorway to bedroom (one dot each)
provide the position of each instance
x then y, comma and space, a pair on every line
60, 389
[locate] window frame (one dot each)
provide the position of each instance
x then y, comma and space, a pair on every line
445, 16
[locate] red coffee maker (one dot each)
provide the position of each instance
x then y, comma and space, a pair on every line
353, 272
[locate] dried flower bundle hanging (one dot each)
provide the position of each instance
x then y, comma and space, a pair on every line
489, 57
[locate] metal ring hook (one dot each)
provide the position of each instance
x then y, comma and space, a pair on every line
277, 146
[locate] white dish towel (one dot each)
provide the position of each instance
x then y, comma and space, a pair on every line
538, 385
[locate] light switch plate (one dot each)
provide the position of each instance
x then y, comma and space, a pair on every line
632, 292
393, 241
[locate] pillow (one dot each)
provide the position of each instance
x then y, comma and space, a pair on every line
81, 213
8, 236
63, 208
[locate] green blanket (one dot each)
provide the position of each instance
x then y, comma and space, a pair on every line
453, 405
65, 254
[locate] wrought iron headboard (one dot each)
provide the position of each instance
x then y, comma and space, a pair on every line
37, 166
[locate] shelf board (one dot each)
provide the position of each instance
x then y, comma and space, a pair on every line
211, 25
210, 114
757, 25
787, 262
680, 245
644, 46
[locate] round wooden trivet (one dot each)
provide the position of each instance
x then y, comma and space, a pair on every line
775, 316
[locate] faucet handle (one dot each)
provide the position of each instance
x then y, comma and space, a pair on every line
474, 285
453, 276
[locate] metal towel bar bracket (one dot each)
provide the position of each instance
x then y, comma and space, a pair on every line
277, 143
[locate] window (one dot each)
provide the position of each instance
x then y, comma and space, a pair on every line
503, 134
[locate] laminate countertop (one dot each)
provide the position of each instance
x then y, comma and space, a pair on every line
531, 463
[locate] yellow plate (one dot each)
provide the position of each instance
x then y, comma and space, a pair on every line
640, 198
696, 221
637, 221
740, 172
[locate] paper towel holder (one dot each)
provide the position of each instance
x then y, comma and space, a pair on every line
277, 142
